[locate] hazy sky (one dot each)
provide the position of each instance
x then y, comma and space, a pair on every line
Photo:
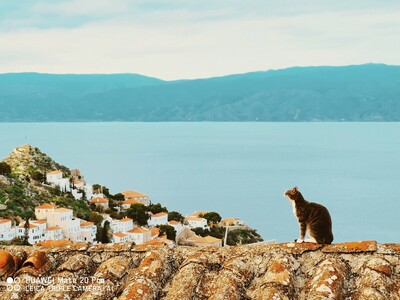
173, 39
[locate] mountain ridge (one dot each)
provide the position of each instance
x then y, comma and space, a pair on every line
368, 92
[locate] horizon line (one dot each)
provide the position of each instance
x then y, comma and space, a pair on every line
201, 78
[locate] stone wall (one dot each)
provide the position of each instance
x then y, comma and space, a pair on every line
355, 270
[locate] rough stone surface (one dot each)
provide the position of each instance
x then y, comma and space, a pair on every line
356, 270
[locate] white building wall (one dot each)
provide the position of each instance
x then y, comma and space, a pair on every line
7, 232
41, 213
161, 220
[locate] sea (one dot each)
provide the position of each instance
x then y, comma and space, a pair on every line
239, 169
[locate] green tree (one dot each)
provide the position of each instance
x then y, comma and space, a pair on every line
26, 232
138, 212
175, 216
106, 191
201, 232
243, 236
168, 230
5, 169
96, 188
157, 208
212, 217
38, 176
95, 218
119, 197
106, 233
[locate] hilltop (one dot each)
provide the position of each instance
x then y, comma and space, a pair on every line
23, 189
351, 93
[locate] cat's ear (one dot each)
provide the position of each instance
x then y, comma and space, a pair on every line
296, 189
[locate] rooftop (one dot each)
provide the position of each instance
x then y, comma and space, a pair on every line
133, 194
138, 230
99, 200
160, 214
126, 219
54, 172
54, 243
86, 224
204, 240
53, 228
30, 225
45, 206
63, 209
3, 221
173, 222
192, 218
120, 234
355, 270
155, 231
42, 221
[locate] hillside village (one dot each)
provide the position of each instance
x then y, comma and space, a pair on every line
99, 217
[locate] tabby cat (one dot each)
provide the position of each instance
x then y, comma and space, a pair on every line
312, 217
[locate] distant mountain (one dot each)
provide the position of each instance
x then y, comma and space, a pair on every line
368, 92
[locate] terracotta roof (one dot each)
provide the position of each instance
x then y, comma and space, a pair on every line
198, 213
54, 243
130, 201
155, 231
42, 221
120, 234
62, 209
190, 218
126, 220
45, 206
173, 222
99, 200
356, 270
3, 221
53, 228
204, 240
87, 224
133, 194
30, 226
54, 172
138, 230
160, 214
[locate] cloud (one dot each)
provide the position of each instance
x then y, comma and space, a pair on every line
188, 39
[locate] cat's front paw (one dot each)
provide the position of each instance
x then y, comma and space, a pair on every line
299, 241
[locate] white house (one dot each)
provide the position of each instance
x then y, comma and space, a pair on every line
177, 226
120, 237
196, 222
139, 235
127, 204
158, 219
78, 183
88, 231
42, 224
63, 217
7, 232
123, 225
137, 197
56, 178
54, 233
100, 202
36, 233
42, 210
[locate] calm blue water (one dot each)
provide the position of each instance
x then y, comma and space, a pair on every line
239, 169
